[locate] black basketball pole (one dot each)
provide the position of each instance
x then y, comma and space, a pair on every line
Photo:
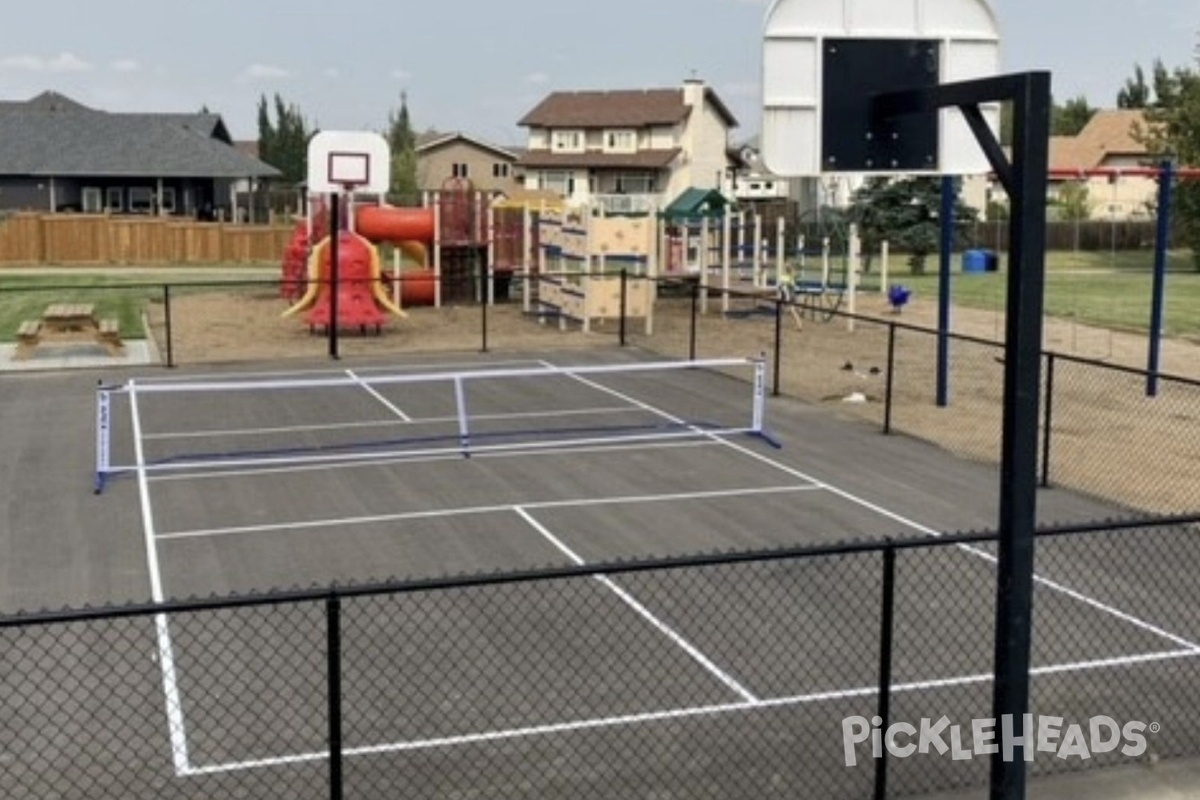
1019, 456
1025, 180
335, 230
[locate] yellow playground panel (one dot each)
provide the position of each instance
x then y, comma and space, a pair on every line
582, 255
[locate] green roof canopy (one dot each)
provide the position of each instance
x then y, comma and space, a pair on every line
696, 203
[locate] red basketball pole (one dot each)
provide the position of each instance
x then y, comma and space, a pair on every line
1124, 172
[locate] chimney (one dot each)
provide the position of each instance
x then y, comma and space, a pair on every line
693, 92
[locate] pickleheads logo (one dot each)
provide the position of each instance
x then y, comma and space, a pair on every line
1046, 735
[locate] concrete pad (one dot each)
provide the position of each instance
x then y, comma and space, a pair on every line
82, 355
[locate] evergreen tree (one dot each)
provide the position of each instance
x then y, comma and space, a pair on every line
905, 213
1070, 118
1135, 93
283, 142
403, 143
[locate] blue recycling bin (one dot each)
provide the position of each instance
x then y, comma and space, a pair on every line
974, 261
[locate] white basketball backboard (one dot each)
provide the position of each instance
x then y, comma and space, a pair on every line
357, 160
794, 46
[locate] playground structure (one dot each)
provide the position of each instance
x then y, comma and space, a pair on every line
733, 254
436, 249
467, 246
578, 252
362, 296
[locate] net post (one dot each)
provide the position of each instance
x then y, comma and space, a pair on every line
760, 395
464, 428
103, 437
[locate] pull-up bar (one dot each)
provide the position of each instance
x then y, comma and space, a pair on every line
1181, 173
1166, 174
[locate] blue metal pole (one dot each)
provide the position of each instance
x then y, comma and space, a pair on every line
947, 247
1158, 299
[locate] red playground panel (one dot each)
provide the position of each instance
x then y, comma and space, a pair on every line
356, 300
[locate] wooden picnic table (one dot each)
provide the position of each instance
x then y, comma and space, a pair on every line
70, 317
67, 323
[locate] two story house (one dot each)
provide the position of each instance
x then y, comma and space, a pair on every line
629, 151
445, 156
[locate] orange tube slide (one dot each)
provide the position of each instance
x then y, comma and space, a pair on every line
394, 225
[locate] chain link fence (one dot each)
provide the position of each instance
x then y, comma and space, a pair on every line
752, 674
1097, 419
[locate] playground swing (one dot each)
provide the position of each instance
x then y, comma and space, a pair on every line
817, 293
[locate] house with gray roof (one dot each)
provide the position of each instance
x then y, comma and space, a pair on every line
59, 155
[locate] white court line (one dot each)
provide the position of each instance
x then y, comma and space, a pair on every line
508, 734
388, 404
252, 377
386, 423
430, 459
910, 523
441, 513
166, 654
707, 663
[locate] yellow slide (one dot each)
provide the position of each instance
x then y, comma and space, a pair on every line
315, 279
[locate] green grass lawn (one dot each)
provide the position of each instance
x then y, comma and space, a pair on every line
116, 294
1093, 288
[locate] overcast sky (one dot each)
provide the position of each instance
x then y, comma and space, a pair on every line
479, 66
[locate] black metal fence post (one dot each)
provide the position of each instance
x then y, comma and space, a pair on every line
335, 236
624, 306
692, 331
483, 317
333, 655
886, 626
890, 379
778, 346
167, 324
1047, 419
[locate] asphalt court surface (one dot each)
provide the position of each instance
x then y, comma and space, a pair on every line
283, 524
223, 487
715, 654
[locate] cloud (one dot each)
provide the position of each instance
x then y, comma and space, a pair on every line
63, 62
125, 65
263, 72
401, 74
332, 72
537, 78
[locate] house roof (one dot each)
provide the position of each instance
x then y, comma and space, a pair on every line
693, 203
54, 136
430, 141
634, 108
643, 159
1109, 133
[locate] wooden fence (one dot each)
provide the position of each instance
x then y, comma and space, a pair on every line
100, 239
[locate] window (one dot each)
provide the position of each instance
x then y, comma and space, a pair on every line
635, 184
561, 182
620, 141
458, 170
91, 200
114, 199
141, 200
499, 170
568, 141
166, 203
